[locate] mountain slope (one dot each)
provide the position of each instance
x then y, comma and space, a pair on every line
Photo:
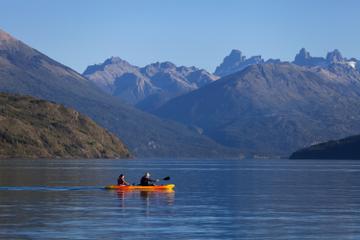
34, 128
273, 109
347, 148
26, 71
147, 87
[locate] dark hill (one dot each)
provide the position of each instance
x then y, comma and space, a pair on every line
34, 128
347, 148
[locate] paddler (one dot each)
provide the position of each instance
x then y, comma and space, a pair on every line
121, 181
147, 181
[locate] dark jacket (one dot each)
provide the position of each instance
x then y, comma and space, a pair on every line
145, 181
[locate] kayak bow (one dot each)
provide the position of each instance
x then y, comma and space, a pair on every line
142, 188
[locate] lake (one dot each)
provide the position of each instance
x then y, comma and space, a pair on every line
213, 199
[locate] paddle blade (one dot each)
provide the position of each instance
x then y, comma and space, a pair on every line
166, 178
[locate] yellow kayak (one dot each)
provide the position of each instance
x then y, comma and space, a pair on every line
142, 188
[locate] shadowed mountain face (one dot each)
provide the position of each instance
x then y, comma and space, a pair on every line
34, 128
147, 87
273, 108
347, 148
26, 71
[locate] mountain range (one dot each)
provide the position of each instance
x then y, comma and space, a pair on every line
273, 108
148, 87
257, 107
26, 71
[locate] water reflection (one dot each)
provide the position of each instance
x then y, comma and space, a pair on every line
164, 196
159, 197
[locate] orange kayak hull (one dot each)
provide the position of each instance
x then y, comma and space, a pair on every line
141, 188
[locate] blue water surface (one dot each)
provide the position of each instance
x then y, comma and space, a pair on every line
213, 199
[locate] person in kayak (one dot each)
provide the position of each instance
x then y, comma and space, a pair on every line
147, 181
121, 181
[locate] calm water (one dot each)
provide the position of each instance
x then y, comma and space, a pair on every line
224, 199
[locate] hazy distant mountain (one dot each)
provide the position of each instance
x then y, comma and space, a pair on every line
236, 62
147, 87
273, 108
33, 128
346, 148
24, 70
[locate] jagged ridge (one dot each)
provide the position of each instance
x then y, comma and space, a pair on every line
147, 87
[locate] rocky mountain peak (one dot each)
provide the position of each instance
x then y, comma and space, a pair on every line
303, 58
159, 66
116, 62
302, 55
235, 55
235, 62
334, 57
167, 65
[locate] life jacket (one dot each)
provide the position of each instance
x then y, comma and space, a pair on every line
121, 182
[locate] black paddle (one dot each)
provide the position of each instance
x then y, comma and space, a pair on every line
164, 179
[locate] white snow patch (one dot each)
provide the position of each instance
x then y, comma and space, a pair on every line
351, 64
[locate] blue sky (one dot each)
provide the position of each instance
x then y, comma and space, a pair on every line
188, 32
